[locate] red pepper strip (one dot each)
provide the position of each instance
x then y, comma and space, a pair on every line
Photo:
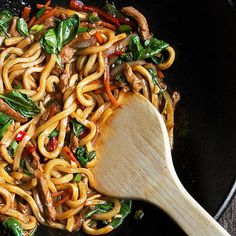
39, 6
30, 149
61, 201
102, 90
53, 111
160, 74
26, 12
84, 134
99, 37
107, 83
20, 136
57, 194
52, 144
116, 53
31, 21
45, 16
108, 25
66, 152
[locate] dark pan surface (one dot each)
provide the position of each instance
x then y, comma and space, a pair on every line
203, 34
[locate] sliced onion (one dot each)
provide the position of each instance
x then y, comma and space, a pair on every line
118, 46
118, 69
85, 44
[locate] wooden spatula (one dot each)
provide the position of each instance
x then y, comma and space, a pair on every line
134, 161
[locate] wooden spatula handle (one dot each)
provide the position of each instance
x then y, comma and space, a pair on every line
178, 203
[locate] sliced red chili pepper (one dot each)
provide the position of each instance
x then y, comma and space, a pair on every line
52, 144
116, 53
20, 136
30, 149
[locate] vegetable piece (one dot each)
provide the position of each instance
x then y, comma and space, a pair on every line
39, 6
77, 127
13, 226
66, 152
45, 16
40, 12
5, 21
99, 208
26, 13
22, 27
20, 136
83, 156
62, 201
4, 118
82, 29
107, 83
24, 168
49, 41
108, 25
155, 81
78, 178
4, 128
111, 9
57, 194
138, 215
125, 29
54, 133
21, 102
30, 149
52, 144
67, 30
150, 49
124, 211
99, 37
92, 18
36, 28
12, 148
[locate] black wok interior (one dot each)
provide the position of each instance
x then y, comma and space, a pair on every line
203, 34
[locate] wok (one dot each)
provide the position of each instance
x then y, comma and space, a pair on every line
203, 34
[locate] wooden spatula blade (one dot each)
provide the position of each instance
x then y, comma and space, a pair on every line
123, 145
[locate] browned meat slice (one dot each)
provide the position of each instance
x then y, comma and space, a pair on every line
175, 98
74, 142
45, 197
57, 70
140, 18
36, 165
69, 49
5, 108
24, 209
50, 111
49, 23
13, 31
133, 80
63, 82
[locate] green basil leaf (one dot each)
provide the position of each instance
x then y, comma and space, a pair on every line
23, 166
53, 134
124, 211
3, 129
49, 41
112, 10
82, 29
138, 215
22, 27
125, 29
5, 21
67, 30
40, 12
92, 18
83, 156
13, 226
77, 127
4, 118
21, 102
13, 147
100, 208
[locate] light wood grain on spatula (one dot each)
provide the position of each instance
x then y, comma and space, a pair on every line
134, 161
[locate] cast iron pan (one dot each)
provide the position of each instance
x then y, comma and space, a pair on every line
203, 34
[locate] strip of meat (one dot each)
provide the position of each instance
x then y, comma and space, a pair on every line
140, 18
45, 197
5, 108
69, 49
133, 80
74, 142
